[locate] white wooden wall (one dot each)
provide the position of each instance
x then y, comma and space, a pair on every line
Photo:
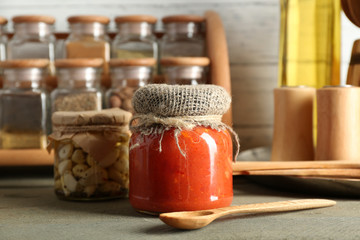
252, 29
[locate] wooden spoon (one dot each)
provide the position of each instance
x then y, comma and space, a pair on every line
352, 9
199, 219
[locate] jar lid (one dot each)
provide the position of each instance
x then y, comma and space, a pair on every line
185, 61
136, 18
112, 116
34, 19
3, 21
25, 63
181, 100
183, 18
78, 62
88, 19
132, 62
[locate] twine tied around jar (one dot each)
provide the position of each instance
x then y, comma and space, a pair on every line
160, 107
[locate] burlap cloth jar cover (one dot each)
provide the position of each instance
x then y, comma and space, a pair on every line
97, 134
159, 107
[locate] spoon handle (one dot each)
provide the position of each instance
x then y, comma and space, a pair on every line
283, 206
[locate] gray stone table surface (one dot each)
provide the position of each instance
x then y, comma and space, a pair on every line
30, 210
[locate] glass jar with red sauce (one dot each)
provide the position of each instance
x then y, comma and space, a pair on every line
180, 151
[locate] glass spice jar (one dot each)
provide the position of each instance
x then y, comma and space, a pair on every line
180, 151
3, 43
127, 75
135, 37
3, 38
24, 120
91, 154
33, 38
88, 39
183, 36
185, 70
78, 85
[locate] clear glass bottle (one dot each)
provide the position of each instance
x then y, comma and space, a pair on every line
88, 39
33, 38
183, 36
24, 119
309, 52
185, 70
91, 154
135, 37
127, 75
78, 85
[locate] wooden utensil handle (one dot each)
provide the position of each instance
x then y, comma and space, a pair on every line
267, 165
343, 173
283, 206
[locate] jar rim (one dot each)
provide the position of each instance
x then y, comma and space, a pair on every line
132, 62
113, 116
79, 62
25, 63
3, 21
88, 19
136, 18
33, 18
183, 18
185, 61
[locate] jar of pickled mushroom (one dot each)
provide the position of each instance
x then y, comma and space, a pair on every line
180, 151
91, 154
24, 104
127, 75
185, 70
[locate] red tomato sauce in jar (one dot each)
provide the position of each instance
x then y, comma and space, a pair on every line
166, 181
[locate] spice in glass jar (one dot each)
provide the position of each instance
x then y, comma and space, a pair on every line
88, 39
185, 70
24, 120
135, 37
33, 38
91, 154
127, 75
183, 36
78, 85
3, 43
180, 151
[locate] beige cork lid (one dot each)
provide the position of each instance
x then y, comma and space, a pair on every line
34, 18
79, 62
25, 63
88, 19
183, 18
112, 116
132, 62
185, 61
136, 18
3, 21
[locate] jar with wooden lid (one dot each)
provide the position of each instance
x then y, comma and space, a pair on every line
91, 154
3, 43
78, 85
185, 70
180, 151
127, 75
33, 38
3, 39
184, 36
88, 39
135, 37
24, 104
